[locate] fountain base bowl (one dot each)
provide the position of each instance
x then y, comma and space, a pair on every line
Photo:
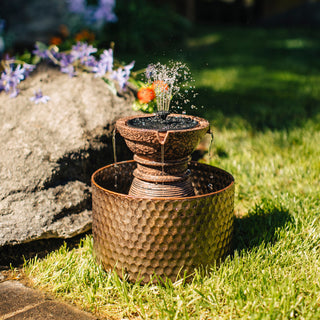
163, 237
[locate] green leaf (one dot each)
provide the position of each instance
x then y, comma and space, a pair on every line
110, 85
41, 46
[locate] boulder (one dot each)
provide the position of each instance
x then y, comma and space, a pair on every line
49, 152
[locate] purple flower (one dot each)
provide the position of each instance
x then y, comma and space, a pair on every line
94, 14
90, 62
104, 12
28, 69
19, 73
39, 97
10, 79
107, 59
66, 65
65, 59
105, 64
121, 75
128, 68
81, 51
43, 52
77, 6
40, 50
69, 69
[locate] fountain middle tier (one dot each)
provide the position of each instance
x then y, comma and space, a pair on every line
161, 179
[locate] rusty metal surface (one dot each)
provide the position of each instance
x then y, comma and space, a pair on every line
162, 236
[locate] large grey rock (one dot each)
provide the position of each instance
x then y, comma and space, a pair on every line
49, 151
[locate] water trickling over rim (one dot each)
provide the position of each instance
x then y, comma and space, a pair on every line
163, 123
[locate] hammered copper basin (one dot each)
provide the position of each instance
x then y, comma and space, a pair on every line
143, 237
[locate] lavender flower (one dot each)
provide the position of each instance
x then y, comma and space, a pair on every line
19, 73
105, 64
69, 69
128, 68
82, 51
77, 6
66, 65
10, 78
39, 97
40, 50
106, 58
28, 69
90, 62
94, 14
104, 12
121, 75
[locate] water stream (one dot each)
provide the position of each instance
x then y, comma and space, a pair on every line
114, 133
162, 158
210, 150
210, 153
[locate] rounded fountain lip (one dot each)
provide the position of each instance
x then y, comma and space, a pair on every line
148, 142
200, 123
120, 194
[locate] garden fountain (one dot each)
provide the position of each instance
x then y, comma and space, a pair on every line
161, 214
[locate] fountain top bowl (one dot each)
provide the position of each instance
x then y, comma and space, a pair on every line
155, 144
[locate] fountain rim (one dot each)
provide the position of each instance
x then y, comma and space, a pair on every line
202, 123
159, 198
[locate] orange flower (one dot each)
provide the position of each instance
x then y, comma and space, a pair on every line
85, 35
145, 95
64, 31
55, 41
160, 85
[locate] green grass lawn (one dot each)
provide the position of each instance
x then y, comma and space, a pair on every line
261, 92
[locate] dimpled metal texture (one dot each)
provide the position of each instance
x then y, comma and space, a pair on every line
166, 237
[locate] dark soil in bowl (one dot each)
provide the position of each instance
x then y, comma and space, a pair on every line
163, 124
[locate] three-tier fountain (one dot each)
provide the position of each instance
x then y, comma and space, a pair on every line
161, 214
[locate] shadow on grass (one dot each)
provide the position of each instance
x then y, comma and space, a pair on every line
257, 108
15, 255
261, 225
